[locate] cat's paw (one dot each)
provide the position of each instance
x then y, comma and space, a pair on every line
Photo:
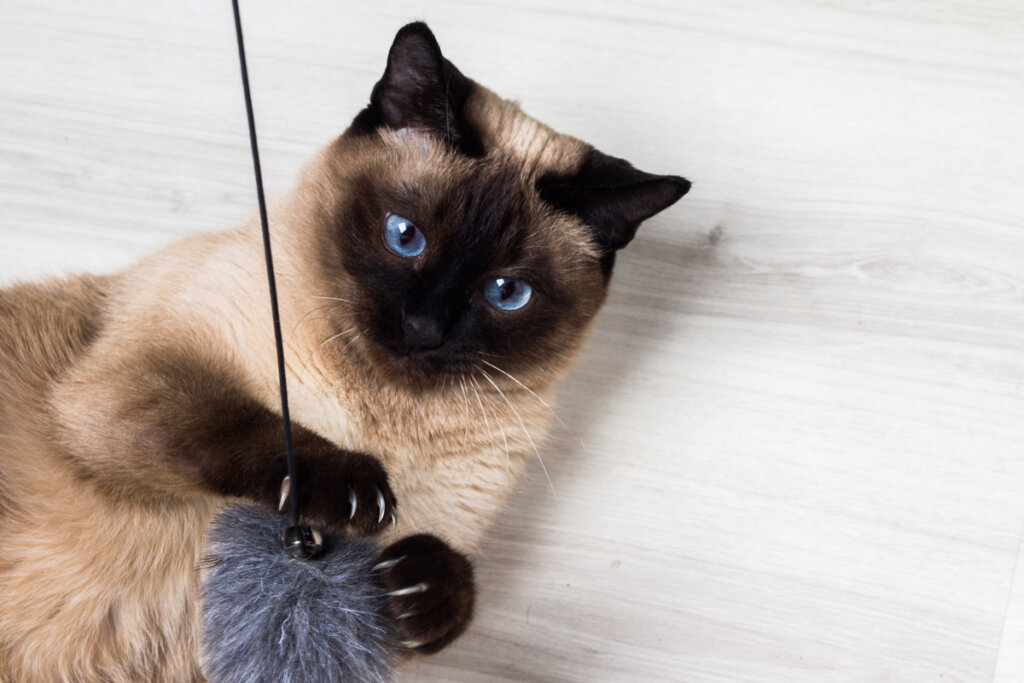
431, 591
350, 493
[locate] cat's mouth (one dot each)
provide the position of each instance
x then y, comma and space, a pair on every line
419, 361
417, 366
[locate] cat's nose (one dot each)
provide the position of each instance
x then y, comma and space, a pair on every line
422, 332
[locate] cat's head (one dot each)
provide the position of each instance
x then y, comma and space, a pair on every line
462, 235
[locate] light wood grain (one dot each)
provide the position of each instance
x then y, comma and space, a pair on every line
793, 445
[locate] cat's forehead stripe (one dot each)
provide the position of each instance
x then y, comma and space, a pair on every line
507, 129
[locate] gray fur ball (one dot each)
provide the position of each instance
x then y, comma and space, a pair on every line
269, 617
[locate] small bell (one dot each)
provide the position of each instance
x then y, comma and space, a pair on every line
302, 542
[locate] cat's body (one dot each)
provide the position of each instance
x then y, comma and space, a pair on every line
82, 575
132, 406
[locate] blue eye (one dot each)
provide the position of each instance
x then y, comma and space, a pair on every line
402, 237
507, 294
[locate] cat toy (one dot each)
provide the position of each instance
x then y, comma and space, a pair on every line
282, 602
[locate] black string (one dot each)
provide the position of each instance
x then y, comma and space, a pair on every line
285, 417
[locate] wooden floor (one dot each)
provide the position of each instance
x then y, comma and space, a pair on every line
803, 408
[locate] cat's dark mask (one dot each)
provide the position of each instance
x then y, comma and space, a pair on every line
444, 219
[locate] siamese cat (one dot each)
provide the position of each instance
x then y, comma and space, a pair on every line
439, 265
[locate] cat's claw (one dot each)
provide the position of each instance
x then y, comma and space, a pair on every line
421, 587
387, 564
286, 492
430, 590
351, 494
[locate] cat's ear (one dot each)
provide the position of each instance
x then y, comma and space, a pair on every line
612, 196
421, 90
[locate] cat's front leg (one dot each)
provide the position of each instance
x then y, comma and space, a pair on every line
234, 446
162, 424
431, 590
337, 488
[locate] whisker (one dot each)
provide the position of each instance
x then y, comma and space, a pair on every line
330, 339
351, 341
309, 357
332, 298
531, 392
465, 401
307, 314
525, 430
487, 424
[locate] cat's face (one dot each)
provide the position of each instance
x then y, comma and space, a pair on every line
464, 236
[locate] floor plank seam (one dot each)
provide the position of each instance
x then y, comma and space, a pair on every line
1009, 602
